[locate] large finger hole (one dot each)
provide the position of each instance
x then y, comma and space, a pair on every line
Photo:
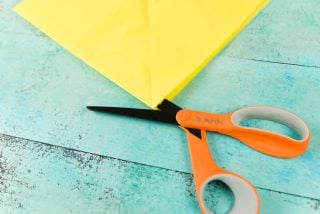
271, 126
273, 119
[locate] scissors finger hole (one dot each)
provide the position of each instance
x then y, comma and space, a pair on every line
242, 195
218, 197
272, 114
271, 126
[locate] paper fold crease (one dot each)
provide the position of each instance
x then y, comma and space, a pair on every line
150, 48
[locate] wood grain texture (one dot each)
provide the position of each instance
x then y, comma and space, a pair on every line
285, 32
44, 91
39, 178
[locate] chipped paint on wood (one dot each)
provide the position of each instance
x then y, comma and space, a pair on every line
44, 91
39, 178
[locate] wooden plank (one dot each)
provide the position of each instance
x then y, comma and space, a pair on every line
38, 178
43, 91
44, 98
283, 32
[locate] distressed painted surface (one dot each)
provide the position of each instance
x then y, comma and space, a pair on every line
45, 99
44, 91
286, 32
38, 178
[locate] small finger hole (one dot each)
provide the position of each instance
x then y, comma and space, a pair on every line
244, 198
218, 197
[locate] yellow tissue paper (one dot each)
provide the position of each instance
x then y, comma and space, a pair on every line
151, 48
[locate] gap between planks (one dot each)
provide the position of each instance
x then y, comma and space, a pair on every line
273, 62
40, 34
142, 164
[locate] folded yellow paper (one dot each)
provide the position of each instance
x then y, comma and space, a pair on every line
151, 48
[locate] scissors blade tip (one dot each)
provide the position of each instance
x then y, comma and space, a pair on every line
93, 108
163, 116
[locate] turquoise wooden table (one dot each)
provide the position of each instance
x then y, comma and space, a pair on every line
57, 157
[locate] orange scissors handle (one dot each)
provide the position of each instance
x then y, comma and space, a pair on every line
206, 170
261, 140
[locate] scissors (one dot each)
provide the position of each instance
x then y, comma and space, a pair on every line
205, 170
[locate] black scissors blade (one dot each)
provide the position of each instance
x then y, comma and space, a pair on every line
167, 113
157, 115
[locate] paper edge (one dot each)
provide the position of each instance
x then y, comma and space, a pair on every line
21, 14
173, 93
183, 83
